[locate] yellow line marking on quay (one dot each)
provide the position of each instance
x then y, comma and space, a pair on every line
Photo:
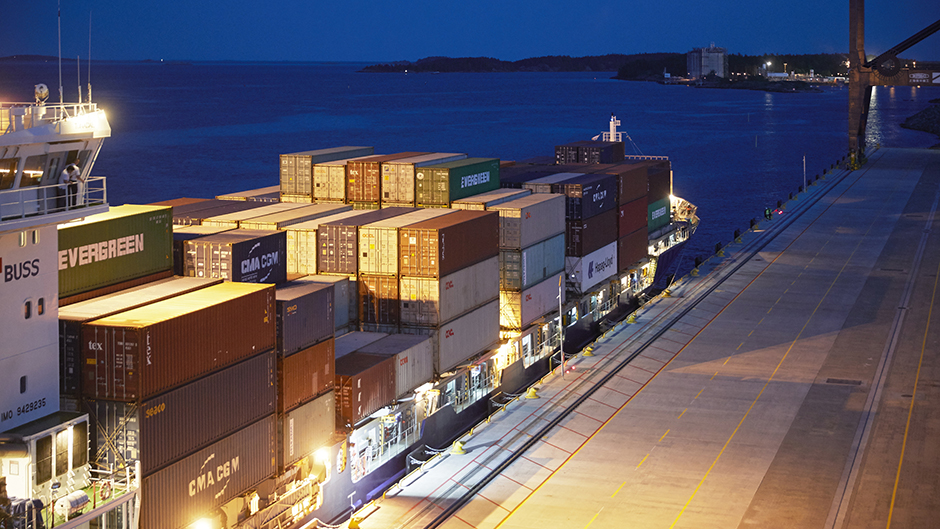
592, 519
641, 462
622, 484
699, 393
663, 437
681, 414
910, 410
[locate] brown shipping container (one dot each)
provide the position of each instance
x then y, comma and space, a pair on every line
192, 488
632, 248
72, 317
304, 375
414, 359
117, 287
234, 220
194, 214
378, 299
304, 315
585, 236
632, 181
632, 217
530, 219
170, 426
142, 352
364, 384
283, 219
378, 241
338, 241
296, 173
431, 301
660, 181
304, 430
441, 246
364, 176
177, 202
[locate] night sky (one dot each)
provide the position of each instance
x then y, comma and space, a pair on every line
371, 31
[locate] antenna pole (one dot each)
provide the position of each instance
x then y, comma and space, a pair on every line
60, 52
78, 71
89, 56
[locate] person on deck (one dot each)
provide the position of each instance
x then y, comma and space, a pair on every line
63, 199
76, 183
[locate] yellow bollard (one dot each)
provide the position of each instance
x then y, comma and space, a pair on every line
694, 272
587, 351
631, 319
667, 293
353, 523
721, 252
530, 394
457, 449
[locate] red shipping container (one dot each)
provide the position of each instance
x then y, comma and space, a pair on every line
304, 375
378, 299
585, 236
145, 351
441, 246
632, 248
364, 176
632, 217
364, 384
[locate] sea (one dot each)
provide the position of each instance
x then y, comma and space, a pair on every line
207, 128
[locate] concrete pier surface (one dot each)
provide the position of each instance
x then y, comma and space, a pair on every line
793, 383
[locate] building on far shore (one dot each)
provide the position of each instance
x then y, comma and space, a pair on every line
703, 61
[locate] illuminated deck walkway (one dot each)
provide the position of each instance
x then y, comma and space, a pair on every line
801, 391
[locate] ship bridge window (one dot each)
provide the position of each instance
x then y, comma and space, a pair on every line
62, 453
7, 172
43, 459
32, 171
79, 444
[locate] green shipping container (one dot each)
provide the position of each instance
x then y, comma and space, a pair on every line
439, 185
658, 214
127, 242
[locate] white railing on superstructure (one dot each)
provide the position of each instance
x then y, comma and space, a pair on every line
15, 117
30, 202
644, 157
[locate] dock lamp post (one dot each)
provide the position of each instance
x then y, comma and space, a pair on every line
561, 325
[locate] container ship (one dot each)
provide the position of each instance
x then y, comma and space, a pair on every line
282, 355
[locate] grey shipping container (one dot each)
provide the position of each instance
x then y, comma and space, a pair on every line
193, 487
234, 220
364, 176
304, 375
181, 234
457, 340
142, 352
302, 244
194, 214
588, 195
166, 428
245, 256
304, 315
122, 244
306, 429
528, 220
345, 295
378, 299
283, 219
263, 194
398, 176
338, 240
439, 185
587, 235
378, 241
545, 183
72, 316
431, 301
509, 179
414, 359
519, 309
296, 167
356, 340
441, 246
485, 201
364, 384
521, 269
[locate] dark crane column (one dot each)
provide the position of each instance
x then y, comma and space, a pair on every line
859, 77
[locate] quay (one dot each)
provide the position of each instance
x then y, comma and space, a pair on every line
793, 382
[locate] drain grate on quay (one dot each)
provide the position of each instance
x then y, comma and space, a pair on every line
843, 381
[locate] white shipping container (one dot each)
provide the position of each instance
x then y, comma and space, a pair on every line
414, 357
354, 341
232, 220
459, 339
303, 245
378, 241
484, 201
280, 220
590, 270
345, 292
429, 301
518, 309
531, 219
329, 179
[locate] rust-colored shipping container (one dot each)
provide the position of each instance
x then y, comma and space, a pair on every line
632, 181
338, 240
441, 246
364, 176
585, 236
378, 299
145, 351
632, 248
660, 181
364, 384
632, 217
304, 375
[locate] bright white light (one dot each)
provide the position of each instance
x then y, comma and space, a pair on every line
202, 523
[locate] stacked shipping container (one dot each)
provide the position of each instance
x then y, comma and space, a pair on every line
297, 170
398, 177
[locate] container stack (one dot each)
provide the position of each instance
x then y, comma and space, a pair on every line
143, 370
364, 179
660, 187
437, 186
483, 201
329, 181
263, 194
297, 170
193, 213
246, 256
632, 233
398, 177
531, 258
283, 219
345, 301
303, 246
590, 152
236, 218
449, 284
305, 370
338, 241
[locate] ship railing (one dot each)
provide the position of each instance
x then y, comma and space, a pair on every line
37, 201
642, 157
113, 502
15, 117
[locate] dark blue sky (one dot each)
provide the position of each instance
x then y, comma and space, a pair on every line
358, 30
